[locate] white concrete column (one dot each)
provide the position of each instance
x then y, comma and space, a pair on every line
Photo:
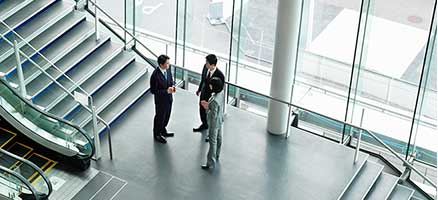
286, 42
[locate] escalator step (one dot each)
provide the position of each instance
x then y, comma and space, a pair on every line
6, 161
5, 137
20, 149
49, 166
17, 149
40, 161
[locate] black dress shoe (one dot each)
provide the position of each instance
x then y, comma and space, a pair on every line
200, 128
168, 134
207, 139
205, 167
160, 139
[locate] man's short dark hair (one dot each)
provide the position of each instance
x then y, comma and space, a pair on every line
217, 84
162, 59
212, 59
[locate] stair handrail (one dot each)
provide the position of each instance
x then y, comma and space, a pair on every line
106, 124
50, 115
22, 179
118, 24
44, 57
406, 163
36, 168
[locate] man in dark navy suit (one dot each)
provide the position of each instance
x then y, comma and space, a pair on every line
210, 70
162, 86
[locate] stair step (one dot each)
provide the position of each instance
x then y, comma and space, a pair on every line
24, 14
118, 85
80, 73
39, 161
383, 187
9, 7
108, 93
112, 112
42, 43
363, 181
401, 192
80, 53
36, 26
60, 48
93, 84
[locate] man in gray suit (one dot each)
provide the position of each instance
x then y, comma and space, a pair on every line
215, 119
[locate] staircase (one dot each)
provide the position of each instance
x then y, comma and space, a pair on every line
66, 37
371, 183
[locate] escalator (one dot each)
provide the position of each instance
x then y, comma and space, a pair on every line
21, 179
44, 128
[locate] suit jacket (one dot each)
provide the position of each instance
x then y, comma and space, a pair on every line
159, 86
203, 86
215, 113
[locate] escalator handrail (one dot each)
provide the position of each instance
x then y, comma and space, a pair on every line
22, 179
79, 129
36, 168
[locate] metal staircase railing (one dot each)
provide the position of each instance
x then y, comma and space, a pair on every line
89, 108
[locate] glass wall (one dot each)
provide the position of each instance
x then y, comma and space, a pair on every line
389, 71
253, 42
326, 55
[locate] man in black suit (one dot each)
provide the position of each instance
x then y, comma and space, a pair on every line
162, 86
210, 70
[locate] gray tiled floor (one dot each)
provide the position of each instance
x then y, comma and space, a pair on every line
254, 165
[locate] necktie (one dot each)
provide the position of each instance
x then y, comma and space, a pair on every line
165, 75
209, 75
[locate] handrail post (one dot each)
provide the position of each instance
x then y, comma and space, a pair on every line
22, 85
125, 26
288, 122
225, 90
185, 80
97, 152
110, 145
167, 49
23, 92
237, 97
356, 153
96, 21
359, 138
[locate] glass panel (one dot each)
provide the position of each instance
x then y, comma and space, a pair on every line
203, 32
322, 125
253, 43
11, 186
388, 65
154, 26
325, 60
425, 127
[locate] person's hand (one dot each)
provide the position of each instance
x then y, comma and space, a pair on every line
170, 90
197, 93
204, 104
